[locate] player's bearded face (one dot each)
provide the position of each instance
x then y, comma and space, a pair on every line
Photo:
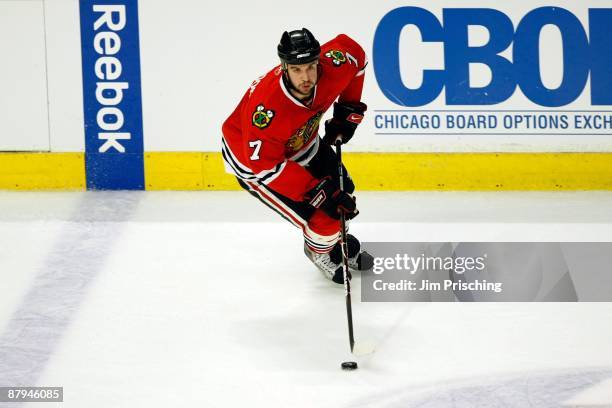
303, 78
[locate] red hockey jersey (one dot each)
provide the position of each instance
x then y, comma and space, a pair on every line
271, 135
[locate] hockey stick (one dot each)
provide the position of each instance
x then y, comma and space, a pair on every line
344, 247
361, 349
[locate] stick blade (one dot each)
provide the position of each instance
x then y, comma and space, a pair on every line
363, 348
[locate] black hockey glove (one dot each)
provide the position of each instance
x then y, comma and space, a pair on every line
347, 116
327, 196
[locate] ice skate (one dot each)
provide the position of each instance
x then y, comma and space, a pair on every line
330, 264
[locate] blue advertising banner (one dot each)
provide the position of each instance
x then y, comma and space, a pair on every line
494, 72
581, 57
112, 99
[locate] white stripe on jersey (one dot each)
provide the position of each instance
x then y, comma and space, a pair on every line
238, 168
362, 70
267, 176
231, 168
304, 157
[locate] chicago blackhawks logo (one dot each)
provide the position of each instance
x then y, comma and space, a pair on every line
303, 134
336, 56
262, 117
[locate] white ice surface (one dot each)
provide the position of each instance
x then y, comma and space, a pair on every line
597, 395
185, 299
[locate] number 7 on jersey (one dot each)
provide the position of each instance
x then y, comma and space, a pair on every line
256, 144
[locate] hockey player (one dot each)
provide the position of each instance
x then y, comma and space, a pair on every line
271, 143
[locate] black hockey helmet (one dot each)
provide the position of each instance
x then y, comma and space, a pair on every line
298, 47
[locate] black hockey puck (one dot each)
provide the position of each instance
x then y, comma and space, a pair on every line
349, 365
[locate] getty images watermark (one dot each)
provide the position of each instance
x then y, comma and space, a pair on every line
422, 263
490, 271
